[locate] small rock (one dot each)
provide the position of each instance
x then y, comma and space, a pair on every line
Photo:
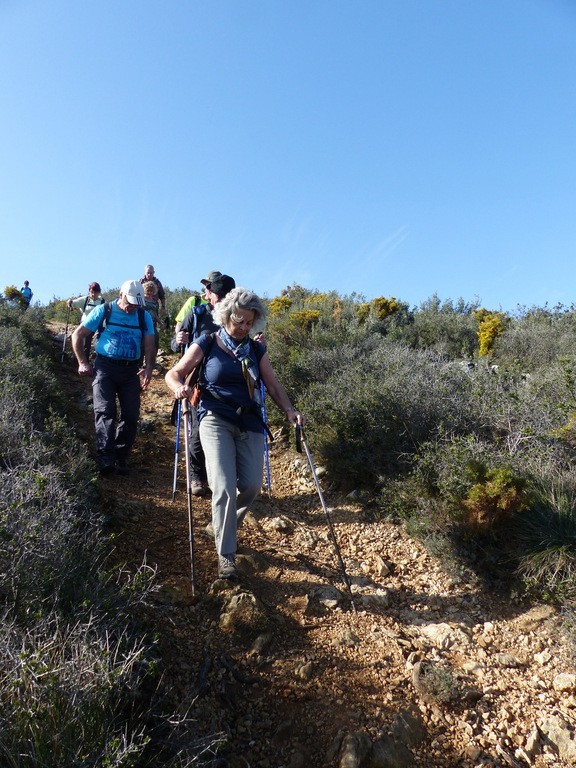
354, 750
559, 734
348, 639
443, 635
389, 753
408, 727
306, 671
382, 567
507, 660
564, 682
327, 595
543, 658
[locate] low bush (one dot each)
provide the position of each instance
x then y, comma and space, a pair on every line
79, 677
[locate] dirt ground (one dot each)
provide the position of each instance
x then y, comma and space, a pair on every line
287, 682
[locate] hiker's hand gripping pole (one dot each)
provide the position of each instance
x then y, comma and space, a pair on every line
301, 441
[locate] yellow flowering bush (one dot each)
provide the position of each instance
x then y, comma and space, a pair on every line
306, 318
384, 307
279, 305
491, 326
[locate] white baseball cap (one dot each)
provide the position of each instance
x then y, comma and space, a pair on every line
133, 292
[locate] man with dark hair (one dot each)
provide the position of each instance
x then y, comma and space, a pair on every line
124, 326
86, 304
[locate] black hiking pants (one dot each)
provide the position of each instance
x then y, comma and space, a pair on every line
115, 431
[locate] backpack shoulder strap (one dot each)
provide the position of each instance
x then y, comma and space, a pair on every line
108, 312
193, 377
258, 353
85, 303
142, 321
105, 316
197, 309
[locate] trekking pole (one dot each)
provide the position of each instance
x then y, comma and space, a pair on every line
177, 448
187, 418
266, 446
65, 335
177, 422
301, 441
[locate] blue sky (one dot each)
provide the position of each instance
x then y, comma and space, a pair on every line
384, 147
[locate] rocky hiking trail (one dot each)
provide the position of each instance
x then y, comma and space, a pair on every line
429, 671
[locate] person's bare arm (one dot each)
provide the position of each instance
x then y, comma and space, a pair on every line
150, 359
84, 366
176, 376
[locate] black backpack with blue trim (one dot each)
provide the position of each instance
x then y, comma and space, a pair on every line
108, 312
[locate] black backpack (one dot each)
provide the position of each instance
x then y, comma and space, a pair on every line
108, 312
87, 299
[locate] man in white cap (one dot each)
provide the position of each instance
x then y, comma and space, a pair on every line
123, 327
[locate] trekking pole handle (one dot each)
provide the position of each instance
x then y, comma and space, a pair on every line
298, 435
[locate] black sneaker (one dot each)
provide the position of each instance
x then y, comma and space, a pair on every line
107, 468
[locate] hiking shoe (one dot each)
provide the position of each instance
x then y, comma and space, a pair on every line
122, 467
197, 488
227, 566
107, 468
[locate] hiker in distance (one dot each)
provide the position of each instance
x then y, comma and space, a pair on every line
149, 274
26, 291
124, 327
231, 427
86, 304
200, 321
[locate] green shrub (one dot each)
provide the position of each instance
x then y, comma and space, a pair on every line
543, 538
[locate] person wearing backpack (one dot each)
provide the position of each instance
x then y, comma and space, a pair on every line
26, 291
194, 300
198, 322
150, 274
86, 304
231, 426
124, 327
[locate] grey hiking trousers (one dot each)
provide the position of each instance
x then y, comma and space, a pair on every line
234, 465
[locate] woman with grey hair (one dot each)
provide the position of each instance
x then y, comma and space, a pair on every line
229, 412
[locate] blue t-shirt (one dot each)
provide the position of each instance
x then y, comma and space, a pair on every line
121, 339
223, 375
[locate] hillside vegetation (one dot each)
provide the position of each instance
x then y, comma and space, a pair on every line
456, 422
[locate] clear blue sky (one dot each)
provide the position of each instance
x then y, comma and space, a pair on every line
384, 147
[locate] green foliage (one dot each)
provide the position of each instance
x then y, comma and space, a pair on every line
543, 539
445, 328
14, 298
497, 495
79, 676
